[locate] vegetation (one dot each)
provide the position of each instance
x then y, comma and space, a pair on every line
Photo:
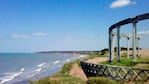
59, 80
100, 80
142, 62
61, 77
66, 68
123, 62
102, 53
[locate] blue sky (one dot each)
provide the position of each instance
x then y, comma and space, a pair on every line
49, 25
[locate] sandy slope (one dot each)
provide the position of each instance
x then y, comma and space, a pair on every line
76, 71
144, 52
97, 60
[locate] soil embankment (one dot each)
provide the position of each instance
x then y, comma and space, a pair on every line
76, 71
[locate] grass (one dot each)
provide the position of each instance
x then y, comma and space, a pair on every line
59, 80
66, 68
142, 60
100, 80
61, 77
128, 62
123, 62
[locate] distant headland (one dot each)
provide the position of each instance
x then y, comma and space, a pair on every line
70, 52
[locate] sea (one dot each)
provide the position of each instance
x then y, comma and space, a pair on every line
20, 68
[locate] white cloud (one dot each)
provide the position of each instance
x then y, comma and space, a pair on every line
121, 3
39, 34
20, 36
144, 32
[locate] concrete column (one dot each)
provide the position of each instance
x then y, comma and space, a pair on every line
134, 35
127, 47
138, 46
113, 45
118, 44
110, 46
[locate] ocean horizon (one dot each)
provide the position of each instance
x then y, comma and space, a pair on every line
19, 68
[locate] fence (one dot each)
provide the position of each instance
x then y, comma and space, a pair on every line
115, 72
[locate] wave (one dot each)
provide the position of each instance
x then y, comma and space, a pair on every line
40, 65
35, 72
10, 76
56, 62
38, 70
81, 56
41, 68
67, 60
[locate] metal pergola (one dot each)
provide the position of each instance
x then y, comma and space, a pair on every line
134, 21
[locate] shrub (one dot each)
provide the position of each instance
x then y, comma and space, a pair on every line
100, 80
123, 62
66, 68
41, 81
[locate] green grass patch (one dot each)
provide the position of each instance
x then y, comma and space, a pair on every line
66, 68
128, 62
59, 80
123, 62
62, 77
100, 80
142, 59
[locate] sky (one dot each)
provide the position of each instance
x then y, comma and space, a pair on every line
56, 25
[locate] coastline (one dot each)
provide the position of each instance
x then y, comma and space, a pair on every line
63, 72
71, 72
70, 52
37, 67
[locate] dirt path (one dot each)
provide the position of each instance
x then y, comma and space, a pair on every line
76, 71
97, 60
145, 52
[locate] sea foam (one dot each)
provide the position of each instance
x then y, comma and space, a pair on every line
40, 65
10, 76
56, 62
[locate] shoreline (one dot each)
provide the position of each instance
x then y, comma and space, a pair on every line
40, 69
70, 70
69, 52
